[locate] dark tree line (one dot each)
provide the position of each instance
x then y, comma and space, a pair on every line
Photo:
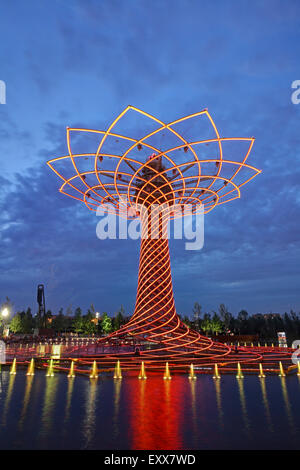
83, 324
213, 323
265, 325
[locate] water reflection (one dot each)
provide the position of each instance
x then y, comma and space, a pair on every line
142, 415
266, 403
243, 405
8, 398
155, 412
116, 417
29, 380
219, 401
68, 400
167, 398
89, 423
58, 412
287, 404
51, 384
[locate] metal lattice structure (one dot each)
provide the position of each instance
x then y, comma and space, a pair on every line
163, 170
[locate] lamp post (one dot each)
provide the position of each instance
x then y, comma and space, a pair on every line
5, 315
5, 312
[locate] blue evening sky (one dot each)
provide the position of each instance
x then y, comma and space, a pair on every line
79, 63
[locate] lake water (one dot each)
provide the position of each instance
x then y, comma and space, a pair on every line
59, 413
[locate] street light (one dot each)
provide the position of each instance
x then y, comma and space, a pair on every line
5, 312
5, 315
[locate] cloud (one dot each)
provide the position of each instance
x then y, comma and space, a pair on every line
90, 61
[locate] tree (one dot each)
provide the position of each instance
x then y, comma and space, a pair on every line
38, 320
69, 311
119, 319
243, 315
78, 312
28, 322
106, 323
88, 325
16, 324
225, 316
294, 316
197, 314
206, 323
78, 323
59, 323
216, 324
92, 310
242, 320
